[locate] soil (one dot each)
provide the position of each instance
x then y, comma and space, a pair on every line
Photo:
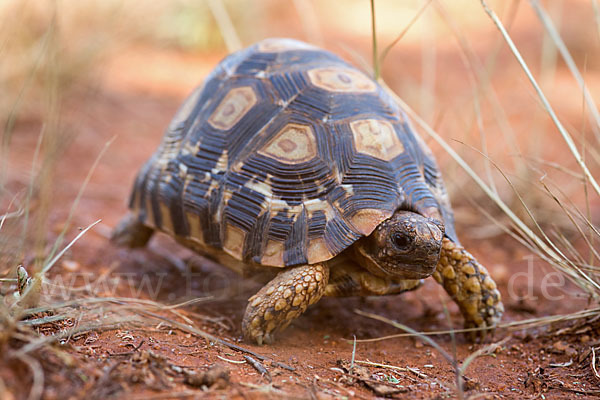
313, 357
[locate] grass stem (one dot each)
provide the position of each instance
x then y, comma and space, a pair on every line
566, 136
376, 72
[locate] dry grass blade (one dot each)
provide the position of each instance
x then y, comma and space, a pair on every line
550, 254
9, 214
566, 55
353, 352
12, 115
489, 349
37, 388
51, 263
30, 188
594, 363
556, 166
60, 237
565, 135
230, 36
393, 367
80, 302
597, 15
230, 361
572, 219
451, 360
562, 262
479, 84
513, 325
409, 330
198, 332
376, 71
39, 342
390, 46
586, 220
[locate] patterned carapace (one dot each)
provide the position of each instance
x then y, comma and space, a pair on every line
286, 156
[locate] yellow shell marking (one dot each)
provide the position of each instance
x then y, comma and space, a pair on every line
317, 251
292, 145
313, 205
376, 138
195, 232
339, 79
234, 241
222, 163
365, 220
273, 254
260, 187
150, 220
167, 222
232, 108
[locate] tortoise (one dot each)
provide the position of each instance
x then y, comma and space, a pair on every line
290, 160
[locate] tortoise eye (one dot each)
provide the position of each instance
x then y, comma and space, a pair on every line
401, 241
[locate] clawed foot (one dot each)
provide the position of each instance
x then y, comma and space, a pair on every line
471, 287
282, 300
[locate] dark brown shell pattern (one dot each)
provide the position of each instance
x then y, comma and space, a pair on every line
286, 155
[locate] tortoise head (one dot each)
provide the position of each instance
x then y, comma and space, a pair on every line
405, 246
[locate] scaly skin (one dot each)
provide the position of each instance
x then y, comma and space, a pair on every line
470, 286
350, 279
282, 300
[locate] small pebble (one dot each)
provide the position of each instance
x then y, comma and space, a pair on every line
70, 265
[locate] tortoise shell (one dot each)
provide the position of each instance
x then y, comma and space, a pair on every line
286, 155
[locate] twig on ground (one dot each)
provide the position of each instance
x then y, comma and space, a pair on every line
257, 365
513, 325
231, 361
37, 387
127, 353
490, 348
353, 353
209, 337
451, 360
594, 363
394, 367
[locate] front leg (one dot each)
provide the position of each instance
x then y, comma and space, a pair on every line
282, 300
470, 286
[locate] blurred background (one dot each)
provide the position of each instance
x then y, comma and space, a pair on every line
88, 87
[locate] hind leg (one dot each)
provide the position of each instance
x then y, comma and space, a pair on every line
131, 232
282, 300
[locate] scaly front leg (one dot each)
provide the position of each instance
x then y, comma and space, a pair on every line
282, 300
470, 286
